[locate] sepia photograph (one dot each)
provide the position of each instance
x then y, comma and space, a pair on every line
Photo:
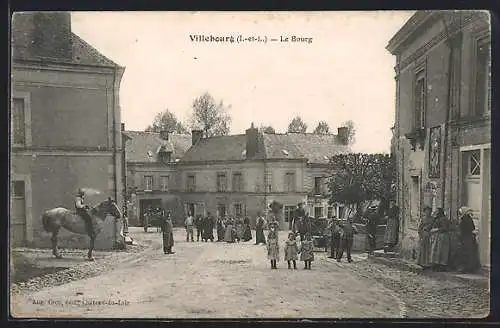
250, 165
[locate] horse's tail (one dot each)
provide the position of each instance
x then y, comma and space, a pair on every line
46, 221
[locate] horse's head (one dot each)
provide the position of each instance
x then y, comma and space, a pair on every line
109, 207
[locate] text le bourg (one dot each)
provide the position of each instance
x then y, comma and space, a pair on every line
241, 38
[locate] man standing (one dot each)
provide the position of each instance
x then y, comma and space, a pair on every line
167, 230
335, 233
371, 229
347, 239
198, 223
189, 224
82, 211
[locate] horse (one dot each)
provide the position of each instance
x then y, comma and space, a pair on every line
55, 219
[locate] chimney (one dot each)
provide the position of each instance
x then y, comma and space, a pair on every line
52, 35
196, 136
164, 134
122, 127
343, 134
252, 136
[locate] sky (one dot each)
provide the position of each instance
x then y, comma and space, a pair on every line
345, 73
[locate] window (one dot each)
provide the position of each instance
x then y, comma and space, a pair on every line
318, 182
237, 182
289, 213
190, 209
18, 121
341, 212
166, 157
420, 99
289, 182
330, 213
221, 182
482, 77
238, 210
164, 182
148, 182
474, 163
18, 189
318, 212
191, 183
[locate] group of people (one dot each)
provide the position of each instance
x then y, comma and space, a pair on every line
291, 249
153, 216
341, 238
435, 240
228, 229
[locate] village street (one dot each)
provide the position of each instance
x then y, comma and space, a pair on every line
220, 280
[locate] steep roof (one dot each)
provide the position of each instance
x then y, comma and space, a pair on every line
316, 148
144, 146
219, 148
311, 147
84, 53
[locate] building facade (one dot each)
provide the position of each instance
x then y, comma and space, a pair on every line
65, 127
240, 175
151, 177
442, 135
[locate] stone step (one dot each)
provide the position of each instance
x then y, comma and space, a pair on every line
381, 253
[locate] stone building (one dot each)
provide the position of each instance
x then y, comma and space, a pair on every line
242, 174
443, 119
151, 170
65, 127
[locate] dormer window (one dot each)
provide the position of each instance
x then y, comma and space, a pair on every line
165, 157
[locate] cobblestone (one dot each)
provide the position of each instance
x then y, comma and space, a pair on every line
429, 297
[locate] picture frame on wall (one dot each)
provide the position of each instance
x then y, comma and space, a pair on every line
435, 152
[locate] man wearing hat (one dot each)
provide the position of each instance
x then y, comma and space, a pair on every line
82, 210
300, 221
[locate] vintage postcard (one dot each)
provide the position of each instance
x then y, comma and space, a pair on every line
293, 165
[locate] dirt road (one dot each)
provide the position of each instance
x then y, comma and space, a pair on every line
214, 280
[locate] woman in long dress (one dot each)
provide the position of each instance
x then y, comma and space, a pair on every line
220, 229
259, 230
424, 231
228, 234
440, 241
468, 244
392, 228
167, 230
247, 230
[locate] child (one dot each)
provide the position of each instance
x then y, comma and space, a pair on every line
307, 251
273, 246
291, 250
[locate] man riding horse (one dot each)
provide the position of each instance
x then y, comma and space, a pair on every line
82, 210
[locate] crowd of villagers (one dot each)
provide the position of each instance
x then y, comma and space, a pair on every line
437, 235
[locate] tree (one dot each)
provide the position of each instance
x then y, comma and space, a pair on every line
210, 116
167, 121
322, 128
360, 177
297, 125
351, 131
267, 129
